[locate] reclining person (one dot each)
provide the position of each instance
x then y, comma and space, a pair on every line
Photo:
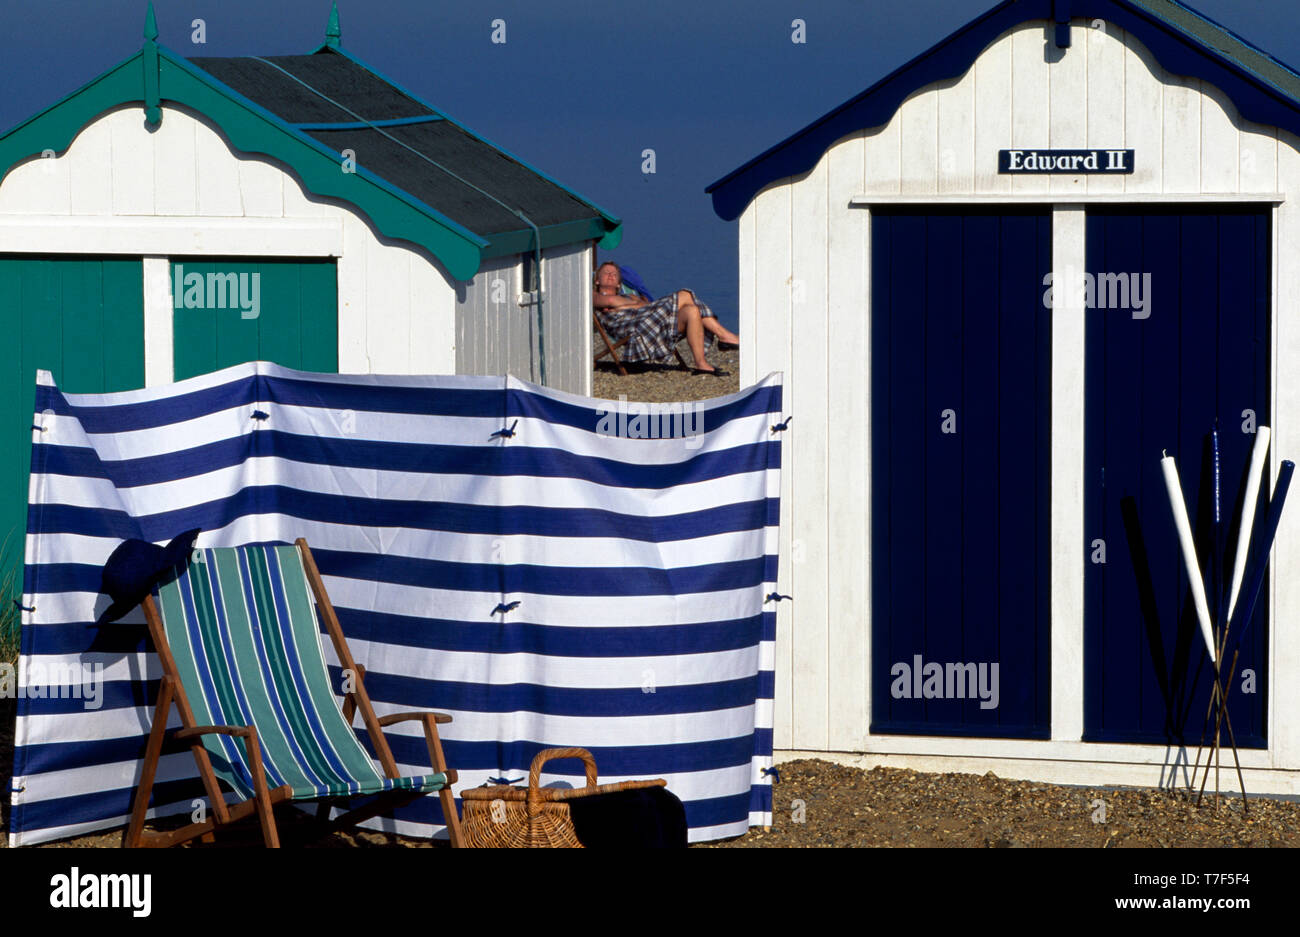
653, 328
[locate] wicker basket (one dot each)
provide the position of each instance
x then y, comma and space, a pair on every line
503, 816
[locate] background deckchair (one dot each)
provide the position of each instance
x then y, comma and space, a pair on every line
240, 646
632, 285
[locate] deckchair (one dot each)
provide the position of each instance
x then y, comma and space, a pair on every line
611, 348
240, 647
632, 279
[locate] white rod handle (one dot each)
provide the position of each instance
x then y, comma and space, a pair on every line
1184, 527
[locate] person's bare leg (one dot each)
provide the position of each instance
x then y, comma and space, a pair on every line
689, 321
724, 335
710, 323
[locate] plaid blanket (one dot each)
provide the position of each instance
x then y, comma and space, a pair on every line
651, 330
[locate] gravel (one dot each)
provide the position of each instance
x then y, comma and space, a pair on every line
846, 806
661, 383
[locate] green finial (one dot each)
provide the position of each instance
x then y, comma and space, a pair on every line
333, 35
149, 59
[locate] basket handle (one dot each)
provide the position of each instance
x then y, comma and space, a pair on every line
550, 754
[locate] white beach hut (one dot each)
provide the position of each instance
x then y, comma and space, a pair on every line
984, 570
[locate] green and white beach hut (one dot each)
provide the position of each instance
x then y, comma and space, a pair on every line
175, 216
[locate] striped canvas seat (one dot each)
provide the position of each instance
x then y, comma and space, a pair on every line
242, 627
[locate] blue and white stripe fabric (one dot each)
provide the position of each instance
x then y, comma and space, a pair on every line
522, 558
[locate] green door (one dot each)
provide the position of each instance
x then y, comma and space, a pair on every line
81, 319
231, 311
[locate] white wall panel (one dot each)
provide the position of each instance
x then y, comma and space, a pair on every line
992, 114
176, 168
956, 136
1031, 96
919, 144
1069, 95
1257, 148
1182, 133
1220, 143
1107, 66
771, 343
804, 451
1144, 118
132, 151
847, 502
92, 182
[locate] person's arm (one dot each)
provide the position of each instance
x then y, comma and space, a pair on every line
602, 301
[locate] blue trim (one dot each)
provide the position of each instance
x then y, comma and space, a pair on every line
1256, 98
367, 124
1061, 13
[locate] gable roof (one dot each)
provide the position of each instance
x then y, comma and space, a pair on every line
1184, 42
420, 176
412, 145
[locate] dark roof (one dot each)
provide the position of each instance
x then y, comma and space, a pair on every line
333, 98
1263, 89
1226, 43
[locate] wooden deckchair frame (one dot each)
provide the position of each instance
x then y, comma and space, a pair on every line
611, 348
265, 798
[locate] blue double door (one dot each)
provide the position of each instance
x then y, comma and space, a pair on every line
961, 393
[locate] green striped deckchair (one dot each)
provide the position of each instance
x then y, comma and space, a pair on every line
240, 646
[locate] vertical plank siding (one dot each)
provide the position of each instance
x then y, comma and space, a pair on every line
1105, 75
81, 319
806, 458
1068, 100
847, 454
296, 325
993, 108
567, 274
772, 325
496, 334
1030, 99
1159, 383
961, 512
1105, 91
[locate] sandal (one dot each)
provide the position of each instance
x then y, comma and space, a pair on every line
728, 346
716, 372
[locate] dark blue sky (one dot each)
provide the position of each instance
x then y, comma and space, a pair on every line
707, 85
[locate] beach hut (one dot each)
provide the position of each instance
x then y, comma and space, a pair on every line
175, 216
1001, 282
